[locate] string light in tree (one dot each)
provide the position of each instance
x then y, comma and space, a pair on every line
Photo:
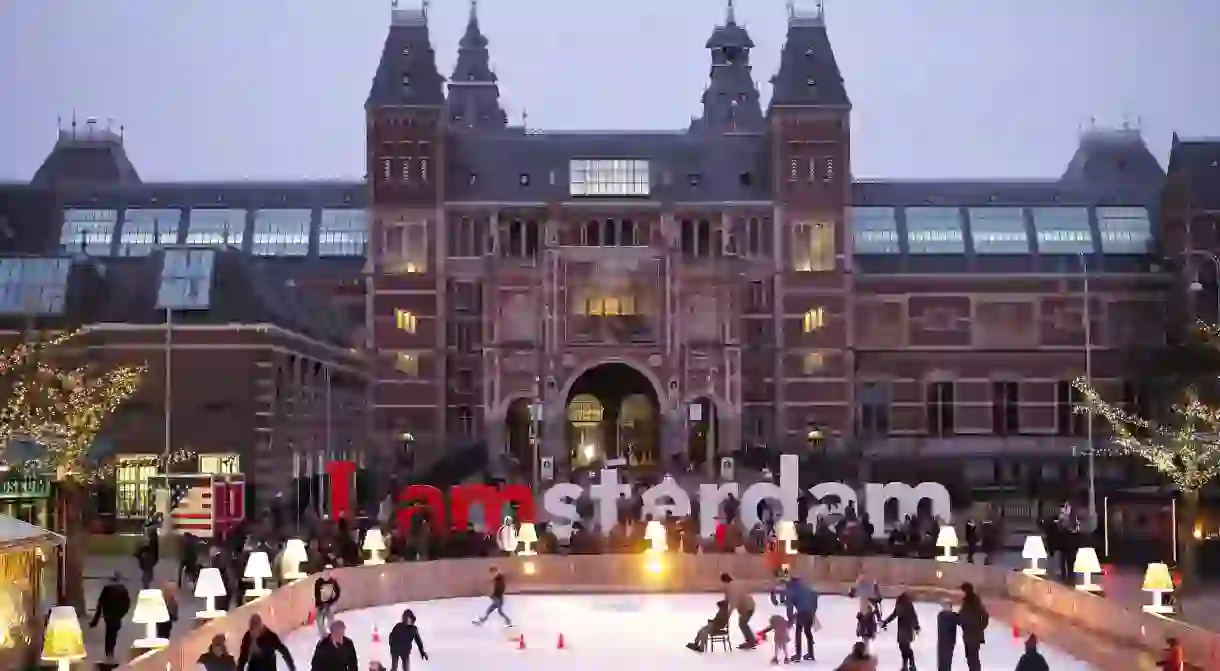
1187, 451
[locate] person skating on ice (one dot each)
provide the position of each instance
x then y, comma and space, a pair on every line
403, 637
802, 602
718, 622
973, 618
1032, 660
498, 588
325, 595
859, 659
778, 626
866, 621
946, 636
336, 652
908, 628
866, 590
738, 596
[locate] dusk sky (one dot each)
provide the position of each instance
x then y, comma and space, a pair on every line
274, 89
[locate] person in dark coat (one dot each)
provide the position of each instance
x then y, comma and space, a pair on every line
217, 658
908, 628
802, 603
335, 652
973, 620
258, 648
326, 594
1032, 660
112, 606
403, 637
717, 624
946, 637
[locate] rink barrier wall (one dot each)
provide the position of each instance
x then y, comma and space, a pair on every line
288, 608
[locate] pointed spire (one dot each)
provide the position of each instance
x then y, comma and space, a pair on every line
407, 73
808, 74
730, 15
474, 12
474, 96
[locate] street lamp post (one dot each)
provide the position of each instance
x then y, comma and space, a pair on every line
1088, 377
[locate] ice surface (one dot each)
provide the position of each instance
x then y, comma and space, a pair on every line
632, 632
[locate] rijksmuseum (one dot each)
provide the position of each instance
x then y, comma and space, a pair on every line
647, 300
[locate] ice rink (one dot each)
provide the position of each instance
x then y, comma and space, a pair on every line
631, 631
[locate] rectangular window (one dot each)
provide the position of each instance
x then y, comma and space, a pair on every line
813, 363
467, 296
281, 232
405, 320
1063, 230
813, 248
145, 229
940, 407
465, 423
88, 231
463, 335
343, 233
186, 279
407, 363
813, 320
404, 246
34, 286
757, 237
1005, 408
874, 230
466, 237
874, 400
133, 496
600, 177
1124, 230
220, 464
1068, 422
935, 230
998, 230
216, 227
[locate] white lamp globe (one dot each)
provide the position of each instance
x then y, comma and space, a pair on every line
1034, 551
374, 544
947, 541
258, 569
208, 587
150, 611
527, 535
295, 554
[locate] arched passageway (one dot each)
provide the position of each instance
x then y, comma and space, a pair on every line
612, 415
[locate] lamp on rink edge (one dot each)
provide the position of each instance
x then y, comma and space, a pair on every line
209, 586
63, 642
374, 544
1158, 581
506, 536
947, 541
258, 569
527, 535
785, 533
655, 534
1086, 565
295, 554
1034, 552
150, 611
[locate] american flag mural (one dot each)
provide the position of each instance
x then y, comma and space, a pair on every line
203, 505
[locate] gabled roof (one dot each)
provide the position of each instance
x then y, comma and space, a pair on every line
808, 74
17, 534
1195, 163
407, 74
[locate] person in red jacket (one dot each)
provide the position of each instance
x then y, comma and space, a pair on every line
1175, 657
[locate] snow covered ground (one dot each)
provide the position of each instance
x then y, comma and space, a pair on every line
630, 632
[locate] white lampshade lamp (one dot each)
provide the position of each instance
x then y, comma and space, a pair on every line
258, 569
527, 535
506, 536
208, 587
785, 532
947, 541
150, 611
1086, 565
1034, 552
1158, 581
295, 554
63, 642
655, 534
374, 544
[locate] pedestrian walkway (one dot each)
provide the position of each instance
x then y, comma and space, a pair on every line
97, 573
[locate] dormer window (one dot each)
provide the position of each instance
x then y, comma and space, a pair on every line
693, 179
470, 77
406, 80
524, 179
746, 179
406, 50
472, 178
809, 52
811, 82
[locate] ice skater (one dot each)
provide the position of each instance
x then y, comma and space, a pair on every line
498, 588
801, 602
946, 636
738, 596
780, 635
403, 637
866, 590
908, 628
718, 623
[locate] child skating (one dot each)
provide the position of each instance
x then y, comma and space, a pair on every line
778, 626
498, 588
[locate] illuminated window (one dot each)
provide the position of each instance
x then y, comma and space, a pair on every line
588, 177
1063, 230
220, 464
609, 306
216, 227
145, 229
33, 286
935, 230
814, 320
133, 496
404, 247
813, 248
405, 320
998, 230
874, 230
813, 363
88, 231
1124, 230
343, 233
281, 232
407, 363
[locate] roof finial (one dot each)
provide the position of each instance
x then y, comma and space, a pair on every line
791, 9
474, 11
425, 9
730, 15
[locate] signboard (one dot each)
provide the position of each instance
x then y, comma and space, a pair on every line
547, 467
18, 487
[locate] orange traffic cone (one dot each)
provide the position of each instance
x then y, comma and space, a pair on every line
376, 635
1016, 632
761, 637
521, 642
311, 618
559, 644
